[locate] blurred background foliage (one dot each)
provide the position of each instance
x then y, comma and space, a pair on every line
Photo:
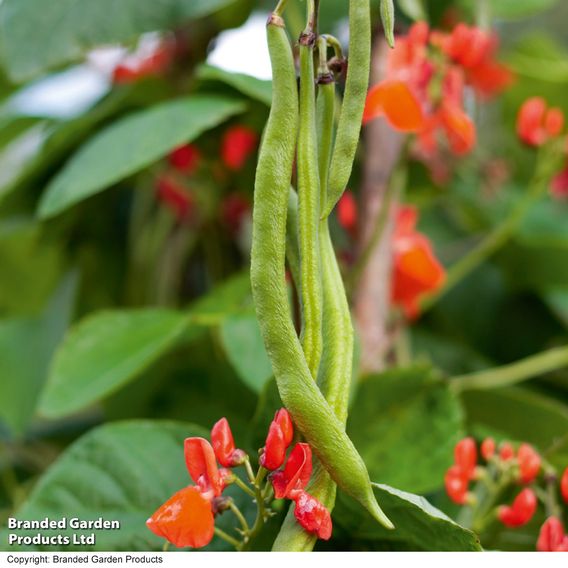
127, 324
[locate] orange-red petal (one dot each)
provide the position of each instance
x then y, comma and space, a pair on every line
186, 519
296, 473
202, 465
397, 103
459, 129
312, 515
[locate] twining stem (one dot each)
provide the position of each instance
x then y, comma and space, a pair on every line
281, 6
547, 165
513, 373
228, 538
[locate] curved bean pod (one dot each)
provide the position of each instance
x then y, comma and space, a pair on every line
351, 115
310, 411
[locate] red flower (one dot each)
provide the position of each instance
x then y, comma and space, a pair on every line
185, 519
506, 451
488, 448
537, 123
564, 485
552, 537
224, 445
416, 271
459, 128
202, 467
456, 482
312, 515
465, 456
347, 212
529, 463
175, 197
185, 158
283, 419
296, 473
274, 452
521, 511
135, 66
237, 145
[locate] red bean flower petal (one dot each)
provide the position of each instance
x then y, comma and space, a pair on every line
237, 145
296, 472
488, 448
274, 452
551, 537
224, 445
465, 455
202, 466
456, 482
564, 485
312, 515
283, 419
186, 519
521, 511
529, 463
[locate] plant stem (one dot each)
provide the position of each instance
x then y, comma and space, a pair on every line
547, 164
241, 518
238, 481
228, 538
513, 373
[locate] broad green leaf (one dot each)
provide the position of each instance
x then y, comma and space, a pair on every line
405, 424
414, 9
130, 145
244, 346
253, 87
121, 471
520, 414
514, 9
418, 525
30, 267
26, 347
103, 352
545, 225
36, 37
557, 300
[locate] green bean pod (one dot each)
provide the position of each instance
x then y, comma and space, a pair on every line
310, 411
351, 115
387, 17
309, 210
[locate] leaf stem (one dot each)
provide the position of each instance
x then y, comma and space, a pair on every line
236, 511
513, 373
228, 538
240, 483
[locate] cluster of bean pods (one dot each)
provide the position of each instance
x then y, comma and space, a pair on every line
313, 371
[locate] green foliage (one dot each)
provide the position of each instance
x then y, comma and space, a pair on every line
132, 144
411, 409
419, 525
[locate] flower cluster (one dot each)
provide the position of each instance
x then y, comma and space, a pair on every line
537, 125
426, 77
505, 469
145, 62
174, 184
187, 519
416, 271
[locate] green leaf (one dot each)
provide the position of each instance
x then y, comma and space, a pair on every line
121, 471
132, 144
514, 9
71, 28
105, 351
405, 424
414, 9
26, 347
557, 300
242, 340
545, 225
418, 525
253, 87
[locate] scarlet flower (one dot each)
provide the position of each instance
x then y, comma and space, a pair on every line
224, 445
237, 145
296, 472
135, 66
312, 515
488, 448
564, 485
529, 463
416, 271
185, 158
347, 212
283, 419
175, 197
456, 482
274, 452
506, 451
552, 537
185, 519
521, 511
537, 123
459, 128
465, 456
